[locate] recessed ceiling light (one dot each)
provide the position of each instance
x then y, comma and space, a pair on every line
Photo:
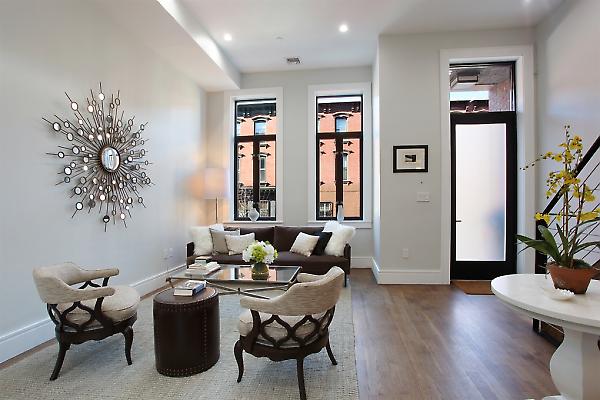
343, 28
228, 37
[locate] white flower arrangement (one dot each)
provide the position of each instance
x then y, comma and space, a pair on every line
260, 252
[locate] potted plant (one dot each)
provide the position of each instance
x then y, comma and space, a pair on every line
260, 254
573, 220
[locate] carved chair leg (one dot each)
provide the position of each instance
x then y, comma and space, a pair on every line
62, 350
239, 357
128, 333
330, 354
300, 368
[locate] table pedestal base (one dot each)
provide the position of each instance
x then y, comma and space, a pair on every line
574, 367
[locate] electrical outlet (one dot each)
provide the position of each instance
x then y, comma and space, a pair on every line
423, 197
405, 253
166, 254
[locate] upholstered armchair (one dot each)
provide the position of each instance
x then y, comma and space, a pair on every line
90, 312
293, 325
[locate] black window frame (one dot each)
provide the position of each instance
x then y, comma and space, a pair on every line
339, 138
254, 140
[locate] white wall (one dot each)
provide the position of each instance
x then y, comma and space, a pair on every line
295, 178
47, 48
568, 78
409, 101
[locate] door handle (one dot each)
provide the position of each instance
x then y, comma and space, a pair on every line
458, 220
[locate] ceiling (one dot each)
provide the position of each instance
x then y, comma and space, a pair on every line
265, 32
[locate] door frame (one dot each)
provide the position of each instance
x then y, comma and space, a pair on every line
466, 269
524, 58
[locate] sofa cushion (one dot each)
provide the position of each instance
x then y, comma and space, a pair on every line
218, 239
228, 259
304, 244
118, 307
260, 234
277, 331
237, 244
319, 249
284, 236
339, 239
312, 264
203, 244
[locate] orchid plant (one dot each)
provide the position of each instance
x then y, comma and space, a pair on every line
575, 216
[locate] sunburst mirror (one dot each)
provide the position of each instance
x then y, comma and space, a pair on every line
104, 159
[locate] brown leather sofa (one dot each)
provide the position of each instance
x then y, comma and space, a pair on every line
282, 238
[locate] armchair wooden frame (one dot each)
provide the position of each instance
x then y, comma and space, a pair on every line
293, 346
97, 326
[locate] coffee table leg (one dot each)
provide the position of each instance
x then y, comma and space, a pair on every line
574, 366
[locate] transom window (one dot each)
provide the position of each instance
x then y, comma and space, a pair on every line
339, 131
254, 155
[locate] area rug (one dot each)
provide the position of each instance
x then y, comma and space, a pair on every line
98, 370
474, 287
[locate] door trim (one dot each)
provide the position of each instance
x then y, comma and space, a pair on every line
524, 57
501, 267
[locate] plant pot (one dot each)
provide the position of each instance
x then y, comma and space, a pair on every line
260, 271
576, 280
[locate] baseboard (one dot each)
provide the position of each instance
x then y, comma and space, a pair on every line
408, 276
155, 281
361, 262
20, 340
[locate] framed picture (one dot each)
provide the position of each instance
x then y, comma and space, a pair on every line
411, 158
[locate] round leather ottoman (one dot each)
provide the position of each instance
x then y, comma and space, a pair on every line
186, 332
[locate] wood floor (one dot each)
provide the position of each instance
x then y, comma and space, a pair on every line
435, 342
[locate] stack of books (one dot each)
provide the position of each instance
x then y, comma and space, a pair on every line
202, 270
189, 288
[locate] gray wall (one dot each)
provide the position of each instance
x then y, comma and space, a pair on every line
295, 114
47, 48
568, 79
408, 81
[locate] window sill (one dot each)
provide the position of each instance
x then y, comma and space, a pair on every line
253, 223
356, 224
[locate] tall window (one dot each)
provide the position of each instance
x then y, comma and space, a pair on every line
339, 133
254, 155
341, 124
260, 127
263, 168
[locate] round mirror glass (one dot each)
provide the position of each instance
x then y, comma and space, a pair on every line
110, 159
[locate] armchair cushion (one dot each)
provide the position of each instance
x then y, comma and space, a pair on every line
276, 330
120, 306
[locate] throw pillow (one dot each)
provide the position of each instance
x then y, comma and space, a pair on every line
338, 240
304, 244
203, 244
319, 249
218, 238
331, 226
237, 244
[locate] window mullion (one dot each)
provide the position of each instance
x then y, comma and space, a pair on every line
339, 179
256, 173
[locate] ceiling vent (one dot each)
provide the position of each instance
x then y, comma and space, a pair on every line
293, 60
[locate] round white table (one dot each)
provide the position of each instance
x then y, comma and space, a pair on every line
575, 366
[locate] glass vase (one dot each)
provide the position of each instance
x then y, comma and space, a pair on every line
260, 271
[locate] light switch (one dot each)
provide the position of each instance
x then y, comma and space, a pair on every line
423, 197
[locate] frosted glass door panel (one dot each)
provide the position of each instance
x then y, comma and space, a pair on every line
480, 192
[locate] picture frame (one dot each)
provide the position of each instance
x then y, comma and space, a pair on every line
411, 158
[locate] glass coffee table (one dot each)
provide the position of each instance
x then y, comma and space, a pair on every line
237, 279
